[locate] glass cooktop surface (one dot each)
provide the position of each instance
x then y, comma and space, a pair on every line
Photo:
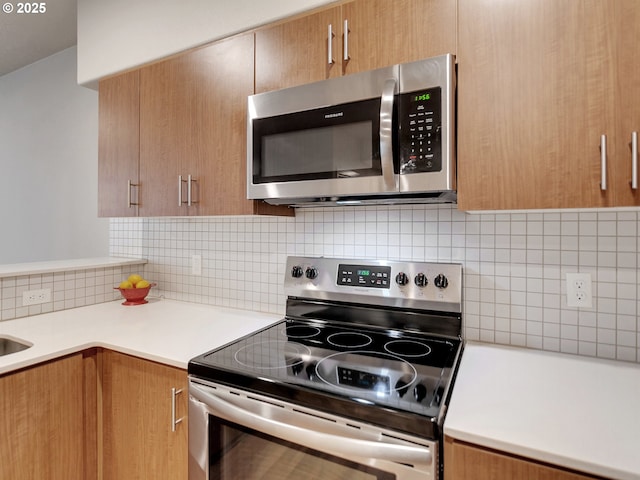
396, 369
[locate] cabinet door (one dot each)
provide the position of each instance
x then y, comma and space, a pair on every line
626, 25
295, 52
467, 462
118, 145
168, 130
535, 94
383, 33
220, 165
136, 402
193, 122
42, 423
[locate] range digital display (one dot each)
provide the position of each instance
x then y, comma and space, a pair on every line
364, 380
373, 276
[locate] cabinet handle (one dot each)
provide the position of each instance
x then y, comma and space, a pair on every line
330, 45
174, 422
129, 185
634, 160
190, 182
603, 163
345, 57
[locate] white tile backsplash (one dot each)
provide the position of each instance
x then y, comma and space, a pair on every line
514, 264
69, 289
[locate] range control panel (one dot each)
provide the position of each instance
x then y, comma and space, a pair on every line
372, 276
436, 286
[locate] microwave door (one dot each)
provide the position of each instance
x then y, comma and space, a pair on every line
299, 152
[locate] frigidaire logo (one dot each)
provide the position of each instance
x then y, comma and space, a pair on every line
334, 115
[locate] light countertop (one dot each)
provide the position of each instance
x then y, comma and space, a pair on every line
166, 331
55, 266
577, 412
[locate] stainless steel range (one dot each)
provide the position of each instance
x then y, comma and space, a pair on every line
352, 384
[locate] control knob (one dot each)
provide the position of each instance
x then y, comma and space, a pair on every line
296, 271
297, 366
311, 273
402, 386
441, 281
402, 279
420, 392
311, 371
421, 280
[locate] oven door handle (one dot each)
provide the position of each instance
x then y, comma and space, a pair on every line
350, 447
386, 135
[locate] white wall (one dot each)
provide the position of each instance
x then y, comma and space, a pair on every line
49, 164
116, 35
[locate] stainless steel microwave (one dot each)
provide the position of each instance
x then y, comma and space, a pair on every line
382, 136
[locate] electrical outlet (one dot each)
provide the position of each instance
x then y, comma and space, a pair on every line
196, 265
579, 290
35, 297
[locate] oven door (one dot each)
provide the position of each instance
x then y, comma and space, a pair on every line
234, 434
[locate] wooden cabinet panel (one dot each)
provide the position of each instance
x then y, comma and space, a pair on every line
464, 461
383, 33
626, 26
296, 52
42, 426
182, 116
193, 122
136, 405
221, 164
118, 144
535, 93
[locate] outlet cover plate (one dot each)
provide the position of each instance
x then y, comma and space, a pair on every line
36, 297
579, 290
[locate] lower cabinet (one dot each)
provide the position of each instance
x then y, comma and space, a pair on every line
464, 461
42, 422
141, 400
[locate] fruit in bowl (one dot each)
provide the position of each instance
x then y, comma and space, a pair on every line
134, 290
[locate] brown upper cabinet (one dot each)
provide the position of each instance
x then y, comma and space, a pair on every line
543, 85
191, 135
626, 28
119, 145
353, 37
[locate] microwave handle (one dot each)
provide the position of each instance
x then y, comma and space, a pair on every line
386, 134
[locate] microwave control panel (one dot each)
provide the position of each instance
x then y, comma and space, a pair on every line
419, 130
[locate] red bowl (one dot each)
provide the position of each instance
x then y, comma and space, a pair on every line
135, 296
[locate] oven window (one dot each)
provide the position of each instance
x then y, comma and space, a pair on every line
237, 452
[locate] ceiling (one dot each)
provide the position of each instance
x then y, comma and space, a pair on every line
26, 38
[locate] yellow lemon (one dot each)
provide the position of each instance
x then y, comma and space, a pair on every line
134, 279
142, 284
125, 284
